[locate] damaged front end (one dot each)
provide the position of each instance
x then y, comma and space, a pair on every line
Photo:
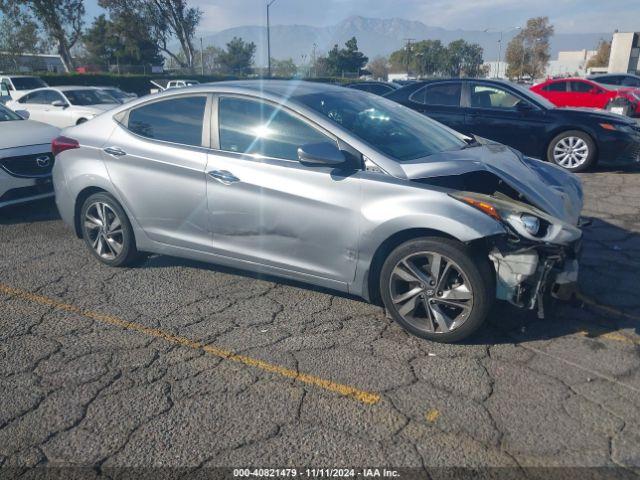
535, 258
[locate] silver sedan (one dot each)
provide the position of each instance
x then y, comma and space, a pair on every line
328, 186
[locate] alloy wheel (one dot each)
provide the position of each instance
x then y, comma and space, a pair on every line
104, 230
431, 292
571, 152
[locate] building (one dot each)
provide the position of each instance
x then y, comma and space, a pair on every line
30, 62
625, 52
570, 63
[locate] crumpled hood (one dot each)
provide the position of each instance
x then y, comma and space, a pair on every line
546, 186
19, 133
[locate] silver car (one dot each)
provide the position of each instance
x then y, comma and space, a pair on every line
25, 158
325, 185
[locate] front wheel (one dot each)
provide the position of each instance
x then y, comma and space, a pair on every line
107, 231
572, 150
437, 288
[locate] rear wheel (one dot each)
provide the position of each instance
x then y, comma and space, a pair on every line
107, 231
437, 289
572, 150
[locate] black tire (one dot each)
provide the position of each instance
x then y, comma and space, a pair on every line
128, 254
562, 140
623, 103
476, 268
81, 121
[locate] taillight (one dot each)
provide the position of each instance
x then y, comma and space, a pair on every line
60, 144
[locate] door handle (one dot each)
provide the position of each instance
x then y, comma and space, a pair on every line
224, 177
115, 151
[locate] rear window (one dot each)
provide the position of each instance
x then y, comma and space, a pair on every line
176, 120
28, 83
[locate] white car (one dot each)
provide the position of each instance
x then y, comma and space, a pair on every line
15, 86
25, 158
63, 106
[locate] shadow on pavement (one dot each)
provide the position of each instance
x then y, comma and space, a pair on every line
38, 211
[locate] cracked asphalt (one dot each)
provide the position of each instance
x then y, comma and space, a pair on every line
182, 364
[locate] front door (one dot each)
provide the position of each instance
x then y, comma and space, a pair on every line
266, 207
157, 160
494, 113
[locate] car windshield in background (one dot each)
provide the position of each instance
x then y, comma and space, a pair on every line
89, 97
7, 115
391, 128
28, 83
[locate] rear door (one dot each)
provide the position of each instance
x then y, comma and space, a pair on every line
585, 94
157, 161
557, 93
441, 101
268, 208
497, 113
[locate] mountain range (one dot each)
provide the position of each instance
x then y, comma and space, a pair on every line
378, 37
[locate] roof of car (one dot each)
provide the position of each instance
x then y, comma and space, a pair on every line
66, 88
288, 88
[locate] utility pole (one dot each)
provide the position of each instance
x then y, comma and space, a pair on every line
313, 60
408, 43
269, 3
201, 57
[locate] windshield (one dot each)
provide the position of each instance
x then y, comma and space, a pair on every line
387, 126
533, 95
89, 97
115, 93
7, 115
27, 83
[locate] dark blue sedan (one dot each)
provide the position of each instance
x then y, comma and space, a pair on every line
573, 138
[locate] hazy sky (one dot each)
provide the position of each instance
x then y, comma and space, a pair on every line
568, 16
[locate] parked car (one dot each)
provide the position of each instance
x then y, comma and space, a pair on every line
378, 88
574, 139
15, 86
25, 158
616, 79
160, 85
334, 187
120, 95
64, 106
580, 92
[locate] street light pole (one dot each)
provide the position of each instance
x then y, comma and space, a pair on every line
269, 3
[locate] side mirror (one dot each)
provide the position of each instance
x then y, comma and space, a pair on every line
59, 103
523, 106
321, 154
23, 113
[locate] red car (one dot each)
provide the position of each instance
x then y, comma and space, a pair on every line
580, 92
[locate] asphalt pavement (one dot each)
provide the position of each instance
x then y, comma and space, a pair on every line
181, 364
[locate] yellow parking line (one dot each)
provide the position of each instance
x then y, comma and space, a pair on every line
368, 398
614, 336
432, 415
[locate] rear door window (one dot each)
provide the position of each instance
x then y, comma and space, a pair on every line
439, 94
581, 87
176, 120
555, 87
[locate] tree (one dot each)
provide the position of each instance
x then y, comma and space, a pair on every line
345, 60
430, 57
18, 35
379, 68
528, 52
211, 59
238, 57
601, 58
166, 20
62, 20
120, 40
463, 59
283, 68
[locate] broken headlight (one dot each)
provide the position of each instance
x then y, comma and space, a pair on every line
522, 219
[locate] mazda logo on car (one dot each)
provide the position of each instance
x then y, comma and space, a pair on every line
43, 162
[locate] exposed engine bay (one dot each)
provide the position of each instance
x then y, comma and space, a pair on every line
537, 257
